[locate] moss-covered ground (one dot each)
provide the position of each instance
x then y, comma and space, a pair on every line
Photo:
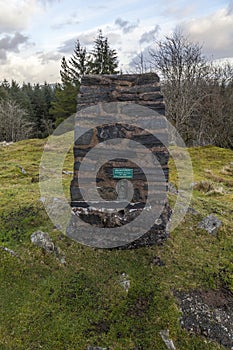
49, 305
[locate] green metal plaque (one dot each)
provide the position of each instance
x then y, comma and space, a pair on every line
122, 173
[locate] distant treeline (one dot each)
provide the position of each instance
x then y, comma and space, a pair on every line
25, 111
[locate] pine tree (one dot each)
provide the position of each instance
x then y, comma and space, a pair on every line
79, 63
77, 66
17, 94
66, 76
64, 104
37, 102
101, 60
104, 59
4, 92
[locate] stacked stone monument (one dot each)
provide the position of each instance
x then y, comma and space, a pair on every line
113, 111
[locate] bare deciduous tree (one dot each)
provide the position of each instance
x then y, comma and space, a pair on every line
140, 64
14, 125
182, 68
216, 125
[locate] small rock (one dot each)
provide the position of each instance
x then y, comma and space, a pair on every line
4, 143
157, 261
193, 184
210, 223
23, 171
11, 252
63, 261
66, 172
125, 282
168, 342
172, 188
57, 227
192, 211
43, 240
208, 313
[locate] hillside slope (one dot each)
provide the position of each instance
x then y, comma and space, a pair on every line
81, 301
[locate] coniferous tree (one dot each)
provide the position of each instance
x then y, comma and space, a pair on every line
65, 73
64, 103
101, 60
77, 66
37, 101
104, 59
3, 92
79, 63
17, 94
6, 85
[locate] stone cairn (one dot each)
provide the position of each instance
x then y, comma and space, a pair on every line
124, 99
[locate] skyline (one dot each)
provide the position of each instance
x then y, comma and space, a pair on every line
36, 34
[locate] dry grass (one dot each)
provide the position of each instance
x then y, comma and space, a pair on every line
227, 170
204, 186
216, 178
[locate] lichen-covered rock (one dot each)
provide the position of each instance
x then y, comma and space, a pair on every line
208, 313
42, 239
210, 223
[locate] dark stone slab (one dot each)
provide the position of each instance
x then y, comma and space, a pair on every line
104, 153
86, 167
162, 157
139, 89
151, 97
76, 194
84, 139
148, 140
81, 152
109, 132
153, 106
136, 79
153, 123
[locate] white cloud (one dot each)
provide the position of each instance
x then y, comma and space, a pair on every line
9, 43
15, 14
230, 8
37, 19
126, 26
48, 57
127, 44
30, 69
215, 32
86, 39
149, 37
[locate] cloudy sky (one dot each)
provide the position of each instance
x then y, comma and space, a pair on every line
35, 34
